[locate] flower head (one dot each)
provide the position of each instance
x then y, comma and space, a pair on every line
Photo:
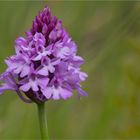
45, 65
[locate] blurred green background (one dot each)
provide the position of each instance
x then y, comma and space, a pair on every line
108, 37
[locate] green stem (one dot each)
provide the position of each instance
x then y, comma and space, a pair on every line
43, 121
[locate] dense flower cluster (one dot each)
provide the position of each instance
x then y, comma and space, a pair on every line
45, 65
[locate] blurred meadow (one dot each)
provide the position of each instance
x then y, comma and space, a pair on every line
108, 37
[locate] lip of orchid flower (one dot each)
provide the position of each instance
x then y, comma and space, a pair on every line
10, 84
20, 66
42, 52
48, 66
33, 82
57, 93
45, 65
82, 75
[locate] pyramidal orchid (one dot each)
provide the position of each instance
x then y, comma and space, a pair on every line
45, 65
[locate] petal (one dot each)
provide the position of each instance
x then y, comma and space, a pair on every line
55, 61
38, 57
5, 87
78, 61
82, 75
25, 71
43, 82
65, 94
25, 87
46, 53
18, 69
44, 29
12, 64
20, 44
43, 71
21, 41
81, 92
34, 85
47, 92
8, 62
55, 93
51, 68
63, 52
53, 35
7, 78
